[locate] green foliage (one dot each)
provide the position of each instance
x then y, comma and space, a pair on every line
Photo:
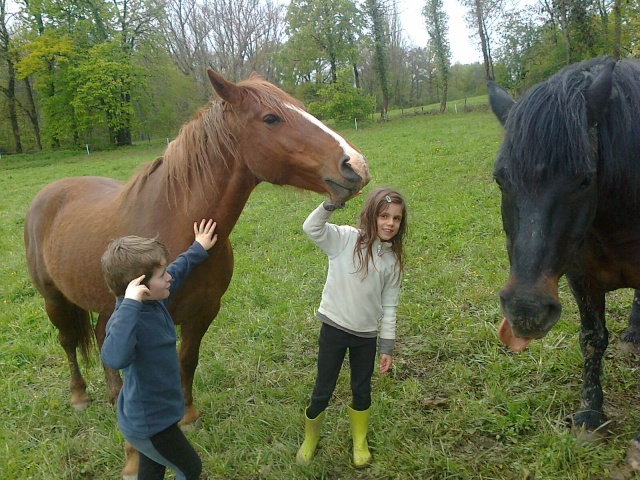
342, 102
103, 86
322, 35
165, 98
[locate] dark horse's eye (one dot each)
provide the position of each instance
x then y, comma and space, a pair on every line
586, 181
498, 181
271, 119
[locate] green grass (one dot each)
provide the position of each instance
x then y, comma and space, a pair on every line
457, 404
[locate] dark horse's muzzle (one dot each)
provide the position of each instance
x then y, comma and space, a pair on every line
530, 314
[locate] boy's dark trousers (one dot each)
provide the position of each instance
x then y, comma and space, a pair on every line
168, 448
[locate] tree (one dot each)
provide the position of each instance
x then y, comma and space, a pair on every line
243, 35
436, 21
379, 28
322, 33
8, 56
342, 102
480, 12
186, 29
102, 91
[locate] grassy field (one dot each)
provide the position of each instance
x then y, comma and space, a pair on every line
457, 404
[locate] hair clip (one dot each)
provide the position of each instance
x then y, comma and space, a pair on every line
387, 198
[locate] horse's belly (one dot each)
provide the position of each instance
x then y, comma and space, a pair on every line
72, 221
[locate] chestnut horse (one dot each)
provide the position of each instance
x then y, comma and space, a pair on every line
253, 133
569, 174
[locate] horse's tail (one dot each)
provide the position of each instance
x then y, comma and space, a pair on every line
84, 333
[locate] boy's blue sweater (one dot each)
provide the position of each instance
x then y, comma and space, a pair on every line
141, 341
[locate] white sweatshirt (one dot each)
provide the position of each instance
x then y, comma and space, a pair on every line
353, 303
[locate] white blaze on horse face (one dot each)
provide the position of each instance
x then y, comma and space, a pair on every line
357, 161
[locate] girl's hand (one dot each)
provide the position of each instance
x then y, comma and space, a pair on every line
385, 363
204, 233
135, 291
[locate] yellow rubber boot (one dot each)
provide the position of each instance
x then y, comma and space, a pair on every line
311, 438
359, 421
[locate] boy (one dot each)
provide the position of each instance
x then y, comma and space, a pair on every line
141, 341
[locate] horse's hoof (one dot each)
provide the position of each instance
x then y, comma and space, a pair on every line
78, 407
590, 420
630, 341
191, 427
633, 455
80, 401
591, 437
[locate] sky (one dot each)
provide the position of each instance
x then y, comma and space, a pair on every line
463, 50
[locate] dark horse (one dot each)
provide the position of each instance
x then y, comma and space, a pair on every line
569, 173
253, 133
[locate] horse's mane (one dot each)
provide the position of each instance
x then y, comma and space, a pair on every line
548, 133
206, 140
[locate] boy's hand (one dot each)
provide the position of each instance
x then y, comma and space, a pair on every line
204, 233
135, 291
385, 363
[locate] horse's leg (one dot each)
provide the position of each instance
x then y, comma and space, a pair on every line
594, 339
191, 331
74, 330
632, 333
130, 470
114, 384
112, 377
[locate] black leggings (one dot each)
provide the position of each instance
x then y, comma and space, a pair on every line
168, 448
332, 347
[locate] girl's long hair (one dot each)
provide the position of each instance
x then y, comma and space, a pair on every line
376, 203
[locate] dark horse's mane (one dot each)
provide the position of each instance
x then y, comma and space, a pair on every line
206, 139
548, 131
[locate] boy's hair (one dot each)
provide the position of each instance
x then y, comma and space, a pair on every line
377, 202
129, 257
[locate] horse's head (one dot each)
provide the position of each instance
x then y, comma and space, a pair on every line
546, 169
280, 143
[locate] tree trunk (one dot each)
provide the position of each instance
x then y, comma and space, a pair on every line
380, 57
334, 70
562, 10
443, 99
617, 28
483, 39
32, 113
11, 103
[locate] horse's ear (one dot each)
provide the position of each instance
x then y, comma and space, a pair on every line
255, 76
500, 101
598, 93
226, 90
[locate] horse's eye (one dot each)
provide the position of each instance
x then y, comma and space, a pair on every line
586, 181
498, 181
271, 119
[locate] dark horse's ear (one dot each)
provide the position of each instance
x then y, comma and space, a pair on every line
500, 101
226, 90
597, 95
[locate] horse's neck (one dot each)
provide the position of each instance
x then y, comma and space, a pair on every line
223, 202
226, 203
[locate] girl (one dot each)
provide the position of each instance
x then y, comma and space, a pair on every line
361, 291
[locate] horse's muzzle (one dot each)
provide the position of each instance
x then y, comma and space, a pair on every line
529, 315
